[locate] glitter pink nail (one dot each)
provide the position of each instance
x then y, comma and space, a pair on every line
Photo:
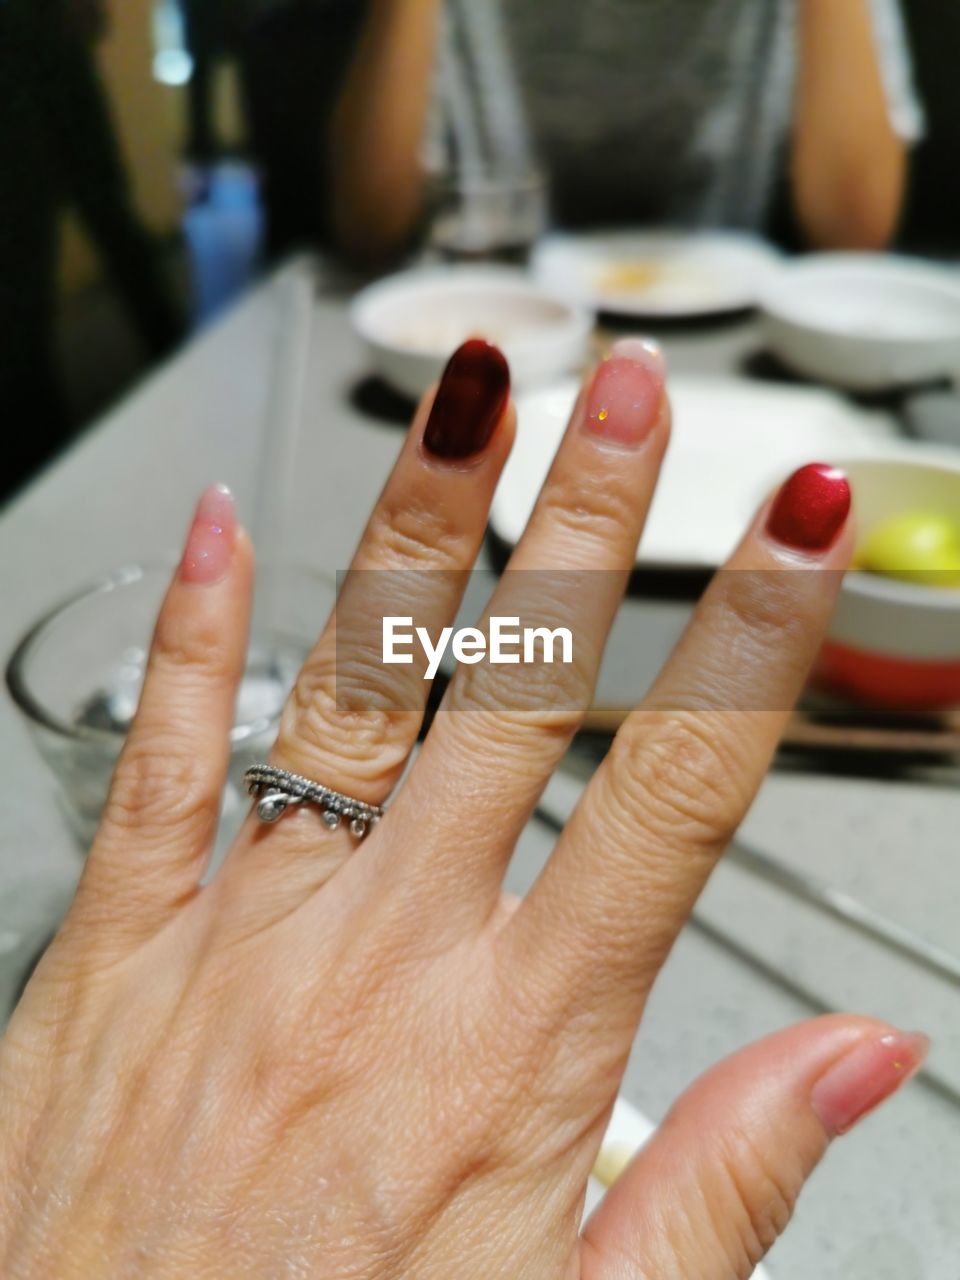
209, 549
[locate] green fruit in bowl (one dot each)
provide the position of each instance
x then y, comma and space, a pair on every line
918, 546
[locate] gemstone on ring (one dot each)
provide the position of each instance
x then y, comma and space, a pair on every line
272, 806
276, 791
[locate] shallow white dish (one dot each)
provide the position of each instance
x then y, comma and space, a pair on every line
733, 441
628, 1128
865, 322
412, 322
657, 273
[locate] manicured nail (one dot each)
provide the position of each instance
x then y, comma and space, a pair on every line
209, 549
470, 401
811, 508
624, 399
866, 1077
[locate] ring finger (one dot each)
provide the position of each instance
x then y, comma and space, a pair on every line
351, 720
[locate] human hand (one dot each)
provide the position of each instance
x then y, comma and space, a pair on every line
363, 1061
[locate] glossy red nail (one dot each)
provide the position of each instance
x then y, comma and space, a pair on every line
865, 1077
811, 508
210, 545
470, 401
624, 399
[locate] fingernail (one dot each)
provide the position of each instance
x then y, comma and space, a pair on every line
623, 402
470, 401
811, 508
209, 549
866, 1077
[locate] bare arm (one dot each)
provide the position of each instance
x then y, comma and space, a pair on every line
849, 165
378, 128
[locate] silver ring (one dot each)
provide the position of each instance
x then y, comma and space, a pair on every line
277, 791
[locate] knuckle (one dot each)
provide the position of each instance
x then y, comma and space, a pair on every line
762, 1190
412, 534
767, 607
157, 790
588, 510
195, 647
682, 773
548, 693
356, 713
531, 699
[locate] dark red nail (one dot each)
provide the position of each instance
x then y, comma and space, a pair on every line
471, 399
811, 508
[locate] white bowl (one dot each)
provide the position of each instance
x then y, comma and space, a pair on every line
896, 643
412, 322
865, 322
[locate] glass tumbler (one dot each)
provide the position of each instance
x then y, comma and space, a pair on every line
486, 218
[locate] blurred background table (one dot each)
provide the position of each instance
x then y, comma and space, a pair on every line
887, 1204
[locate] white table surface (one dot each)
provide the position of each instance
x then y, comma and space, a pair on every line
886, 1204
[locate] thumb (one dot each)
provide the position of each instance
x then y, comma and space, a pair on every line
716, 1185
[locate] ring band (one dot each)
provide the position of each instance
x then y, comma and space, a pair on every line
277, 791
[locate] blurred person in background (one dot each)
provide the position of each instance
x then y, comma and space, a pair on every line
645, 111
58, 150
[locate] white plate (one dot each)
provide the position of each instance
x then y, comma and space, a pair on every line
628, 1128
657, 273
733, 441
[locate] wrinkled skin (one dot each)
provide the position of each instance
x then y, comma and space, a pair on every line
332, 1061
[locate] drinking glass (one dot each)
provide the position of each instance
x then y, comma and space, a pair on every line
489, 196
76, 677
498, 218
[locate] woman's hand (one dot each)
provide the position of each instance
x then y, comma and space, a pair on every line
342, 1060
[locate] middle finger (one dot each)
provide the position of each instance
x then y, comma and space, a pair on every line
503, 729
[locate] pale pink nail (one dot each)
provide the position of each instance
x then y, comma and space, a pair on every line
624, 399
209, 549
865, 1077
